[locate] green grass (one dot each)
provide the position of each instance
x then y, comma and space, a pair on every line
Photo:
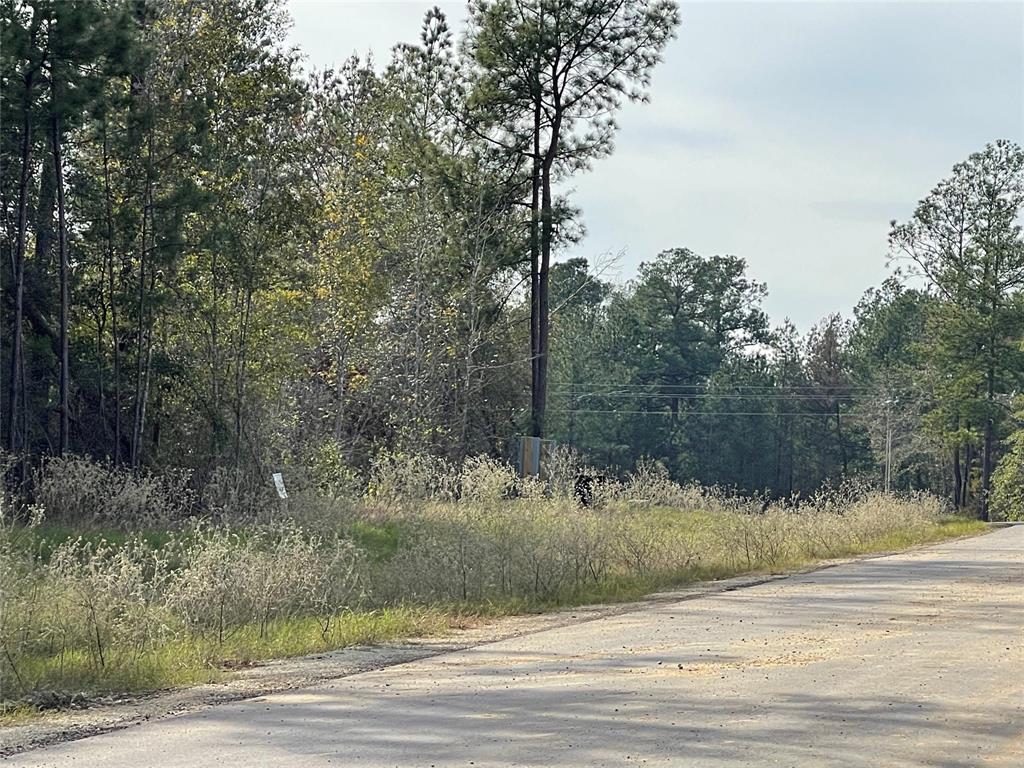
177, 663
300, 636
949, 528
43, 540
17, 714
378, 540
201, 659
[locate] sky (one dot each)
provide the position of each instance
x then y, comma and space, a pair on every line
787, 133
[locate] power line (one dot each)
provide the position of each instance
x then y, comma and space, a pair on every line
711, 396
807, 414
637, 385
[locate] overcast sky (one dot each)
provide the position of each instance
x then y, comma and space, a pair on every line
788, 133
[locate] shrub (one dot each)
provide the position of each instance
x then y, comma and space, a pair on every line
332, 475
75, 490
21, 586
105, 599
649, 485
562, 465
1008, 479
397, 477
103, 611
229, 579
759, 539
235, 496
484, 479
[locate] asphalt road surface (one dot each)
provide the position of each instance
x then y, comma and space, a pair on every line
915, 659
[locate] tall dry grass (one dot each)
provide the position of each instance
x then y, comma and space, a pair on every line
165, 590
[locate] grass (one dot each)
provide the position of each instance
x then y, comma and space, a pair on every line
624, 589
947, 528
620, 588
300, 636
199, 659
47, 537
174, 664
183, 656
17, 714
378, 540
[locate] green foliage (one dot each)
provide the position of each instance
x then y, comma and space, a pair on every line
965, 240
1008, 479
680, 365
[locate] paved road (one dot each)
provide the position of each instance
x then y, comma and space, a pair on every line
910, 660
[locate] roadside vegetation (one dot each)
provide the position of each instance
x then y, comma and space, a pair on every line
223, 263
144, 587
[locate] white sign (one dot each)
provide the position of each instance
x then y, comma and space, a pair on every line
279, 484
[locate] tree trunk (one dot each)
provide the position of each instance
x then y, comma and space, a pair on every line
543, 309
958, 480
144, 394
790, 457
778, 457
986, 469
139, 349
115, 339
158, 408
536, 407
841, 442
987, 449
45, 207
65, 294
144, 347
340, 371
215, 420
968, 464
241, 365
546, 238
140, 424
19, 268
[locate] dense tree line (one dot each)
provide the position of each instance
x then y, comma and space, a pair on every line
215, 259
916, 390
